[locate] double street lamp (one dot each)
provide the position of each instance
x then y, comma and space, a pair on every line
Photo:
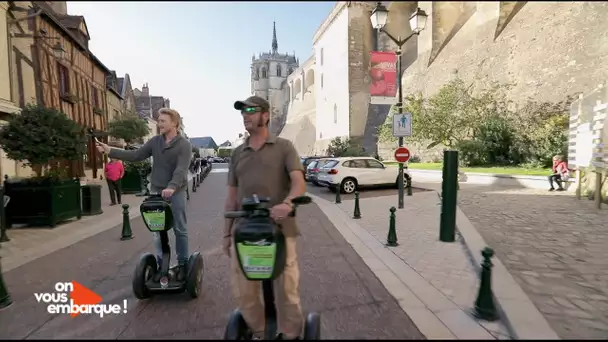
417, 24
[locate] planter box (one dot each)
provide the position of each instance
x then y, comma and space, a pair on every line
42, 204
131, 182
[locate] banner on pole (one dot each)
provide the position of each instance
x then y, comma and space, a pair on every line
383, 74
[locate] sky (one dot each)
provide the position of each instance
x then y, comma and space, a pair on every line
197, 54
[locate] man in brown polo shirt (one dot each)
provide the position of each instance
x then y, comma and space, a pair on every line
269, 167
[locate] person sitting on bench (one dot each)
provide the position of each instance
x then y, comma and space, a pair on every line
560, 173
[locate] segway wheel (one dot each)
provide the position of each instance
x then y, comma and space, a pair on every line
195, 274
145, 270
237, 329
312, 327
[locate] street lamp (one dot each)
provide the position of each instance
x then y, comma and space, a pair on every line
417, 24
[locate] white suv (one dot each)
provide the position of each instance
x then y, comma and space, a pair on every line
350, 173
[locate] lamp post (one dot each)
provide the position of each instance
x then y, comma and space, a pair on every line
417, 24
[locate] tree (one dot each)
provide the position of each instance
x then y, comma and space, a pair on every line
448, 117
339, 147
128, 127
41, 137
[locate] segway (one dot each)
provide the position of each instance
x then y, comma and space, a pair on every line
158, 217
260, 251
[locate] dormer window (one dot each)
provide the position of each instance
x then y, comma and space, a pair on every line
264, 74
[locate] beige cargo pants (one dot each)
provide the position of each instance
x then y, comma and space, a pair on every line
248, 295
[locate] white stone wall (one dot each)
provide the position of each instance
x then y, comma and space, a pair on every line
331, 81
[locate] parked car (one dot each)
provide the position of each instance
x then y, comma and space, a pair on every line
312, 170
348, 174
307, 160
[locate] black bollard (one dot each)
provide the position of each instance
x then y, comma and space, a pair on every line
447, 219
338, 197
357, 213
193, 184
127, 234
187, 193
5, 298
484, 305
409, 188
391, 239
3, 236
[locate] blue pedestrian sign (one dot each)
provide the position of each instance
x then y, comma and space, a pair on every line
402, 125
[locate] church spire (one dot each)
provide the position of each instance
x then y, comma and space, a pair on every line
275, 45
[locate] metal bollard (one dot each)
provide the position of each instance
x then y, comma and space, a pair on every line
447, 221
391, 239
127, 234
193, 184
338, 197
484, 305
357, 213
409, 188
5, 298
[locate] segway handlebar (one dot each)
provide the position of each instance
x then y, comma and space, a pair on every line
255, 203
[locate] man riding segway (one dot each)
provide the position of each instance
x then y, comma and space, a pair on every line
171, 153
267, 166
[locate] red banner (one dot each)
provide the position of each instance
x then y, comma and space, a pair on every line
383, 74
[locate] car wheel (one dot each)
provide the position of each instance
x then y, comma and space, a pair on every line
406, 181
348, 186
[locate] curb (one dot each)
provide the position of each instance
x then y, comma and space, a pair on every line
521, 317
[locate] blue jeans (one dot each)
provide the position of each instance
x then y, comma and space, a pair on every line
178, 206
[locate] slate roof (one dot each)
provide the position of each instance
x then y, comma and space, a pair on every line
203, 142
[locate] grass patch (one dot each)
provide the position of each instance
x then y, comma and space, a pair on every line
501, 170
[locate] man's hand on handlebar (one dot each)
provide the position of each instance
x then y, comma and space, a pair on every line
280, 211
167, 193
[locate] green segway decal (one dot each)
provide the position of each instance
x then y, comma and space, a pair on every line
155, 220
257, 258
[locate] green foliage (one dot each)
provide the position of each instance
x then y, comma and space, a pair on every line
339, 147
40, 138
128, 127
485, 127
142, 167
224, 152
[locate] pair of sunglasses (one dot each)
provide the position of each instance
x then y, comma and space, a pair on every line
250, 110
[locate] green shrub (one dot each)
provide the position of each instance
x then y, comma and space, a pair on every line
345, 147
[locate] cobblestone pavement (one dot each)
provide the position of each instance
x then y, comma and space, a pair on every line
448, 282
555, 246
335, 282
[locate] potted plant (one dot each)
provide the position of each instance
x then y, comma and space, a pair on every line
47, 141
131, 128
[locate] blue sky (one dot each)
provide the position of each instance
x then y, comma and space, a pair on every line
197, 54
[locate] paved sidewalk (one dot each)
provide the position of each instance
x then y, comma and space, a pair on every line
556, 248
334, 282
29, 243
435, 282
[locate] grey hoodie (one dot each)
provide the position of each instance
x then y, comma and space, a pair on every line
171, 161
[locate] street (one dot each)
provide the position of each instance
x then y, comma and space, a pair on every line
335, 282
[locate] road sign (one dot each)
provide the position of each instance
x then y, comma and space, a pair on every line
402, 155
402, 125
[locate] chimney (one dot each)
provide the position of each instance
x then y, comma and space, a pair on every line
145, 91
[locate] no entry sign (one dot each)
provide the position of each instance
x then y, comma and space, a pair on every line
402, 155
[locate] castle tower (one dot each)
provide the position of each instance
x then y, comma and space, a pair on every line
269, 72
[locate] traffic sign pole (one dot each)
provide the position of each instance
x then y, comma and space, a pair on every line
402, 155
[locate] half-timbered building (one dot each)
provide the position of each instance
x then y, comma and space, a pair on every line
73, 81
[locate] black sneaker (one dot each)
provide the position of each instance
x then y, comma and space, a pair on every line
552, 189
561, 189
181, 272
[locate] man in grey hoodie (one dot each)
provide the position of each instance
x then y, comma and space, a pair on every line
171, 153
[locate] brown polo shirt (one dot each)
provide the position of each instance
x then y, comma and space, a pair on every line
265, 172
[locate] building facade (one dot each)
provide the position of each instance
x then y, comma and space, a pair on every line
269, 73
115, 105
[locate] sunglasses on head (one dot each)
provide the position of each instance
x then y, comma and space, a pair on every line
251, 110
